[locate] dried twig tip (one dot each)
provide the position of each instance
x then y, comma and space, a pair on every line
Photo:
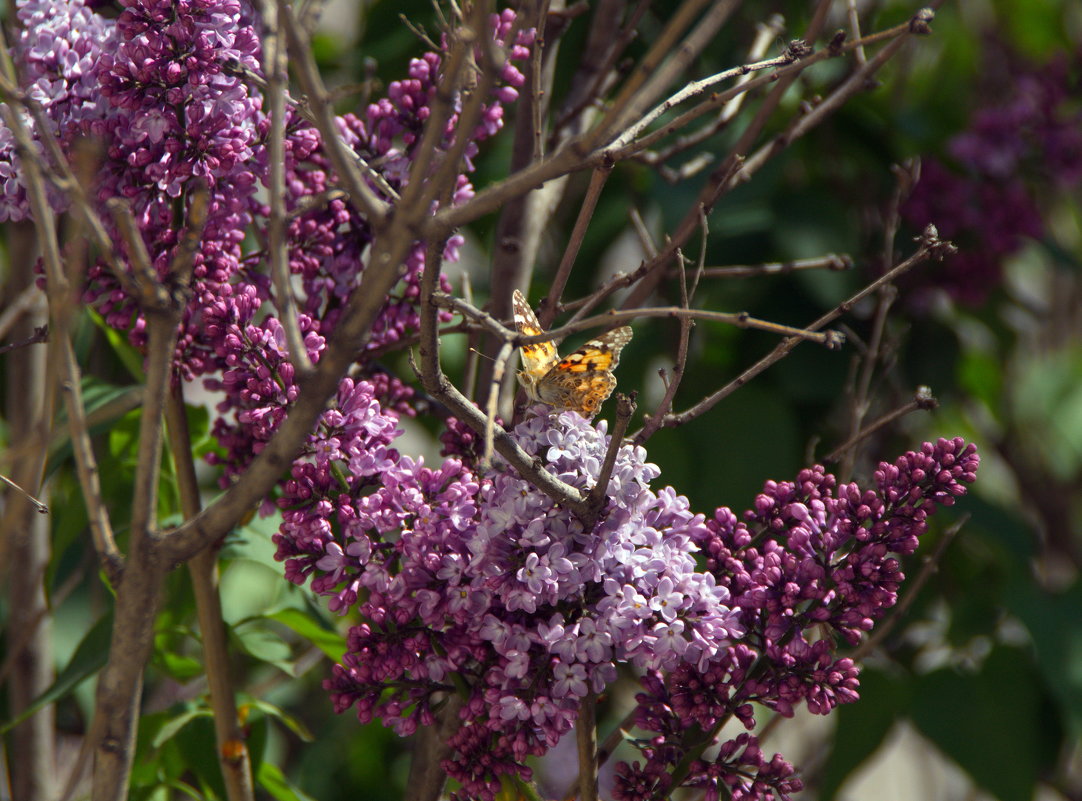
921, 24
925, 399
937, 248
797, 49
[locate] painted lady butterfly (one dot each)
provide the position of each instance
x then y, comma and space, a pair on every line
581, 380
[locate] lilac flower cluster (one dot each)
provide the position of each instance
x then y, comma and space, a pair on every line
162, 89
328, 246
811, 565
479, 585
988, 203
487, 579
59, 45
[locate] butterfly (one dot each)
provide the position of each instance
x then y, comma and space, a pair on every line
580, 381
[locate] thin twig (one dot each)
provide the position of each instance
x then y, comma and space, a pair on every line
922, 400
854, 30
630, 101
765, 35
598, 495
578, 234
859, 401
491, 406
41, 507
831, 261
586, 740
698, 88
830, 339
274, 66
233, 758
40, 335
931, 247
598, 59
346, 163
859, 81
149, 291
86, 465
26, 301
653, 422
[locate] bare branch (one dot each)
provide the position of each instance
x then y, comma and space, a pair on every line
578, 234
40, 335
923, 399
598, 495
931, 247
233, 758
586, 739
86, 464
274, 66
345, 161
40, 506
653, 422
831, 261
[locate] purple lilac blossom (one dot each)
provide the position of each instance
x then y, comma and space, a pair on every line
483, 578
328, 245
988, 202
811, 566
486, 578
58, 47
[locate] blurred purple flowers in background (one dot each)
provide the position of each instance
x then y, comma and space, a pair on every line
987, 201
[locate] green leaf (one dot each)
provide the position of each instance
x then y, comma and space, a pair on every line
997, 723
1055, 625
118, 340
265, 645
199, 749
88, 659
279, 714
171, 727
250, 588
329, 641
124, 438
271, 779
97, 395
178, 666
980, 373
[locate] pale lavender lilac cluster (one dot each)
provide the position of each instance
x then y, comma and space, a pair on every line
58, 48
